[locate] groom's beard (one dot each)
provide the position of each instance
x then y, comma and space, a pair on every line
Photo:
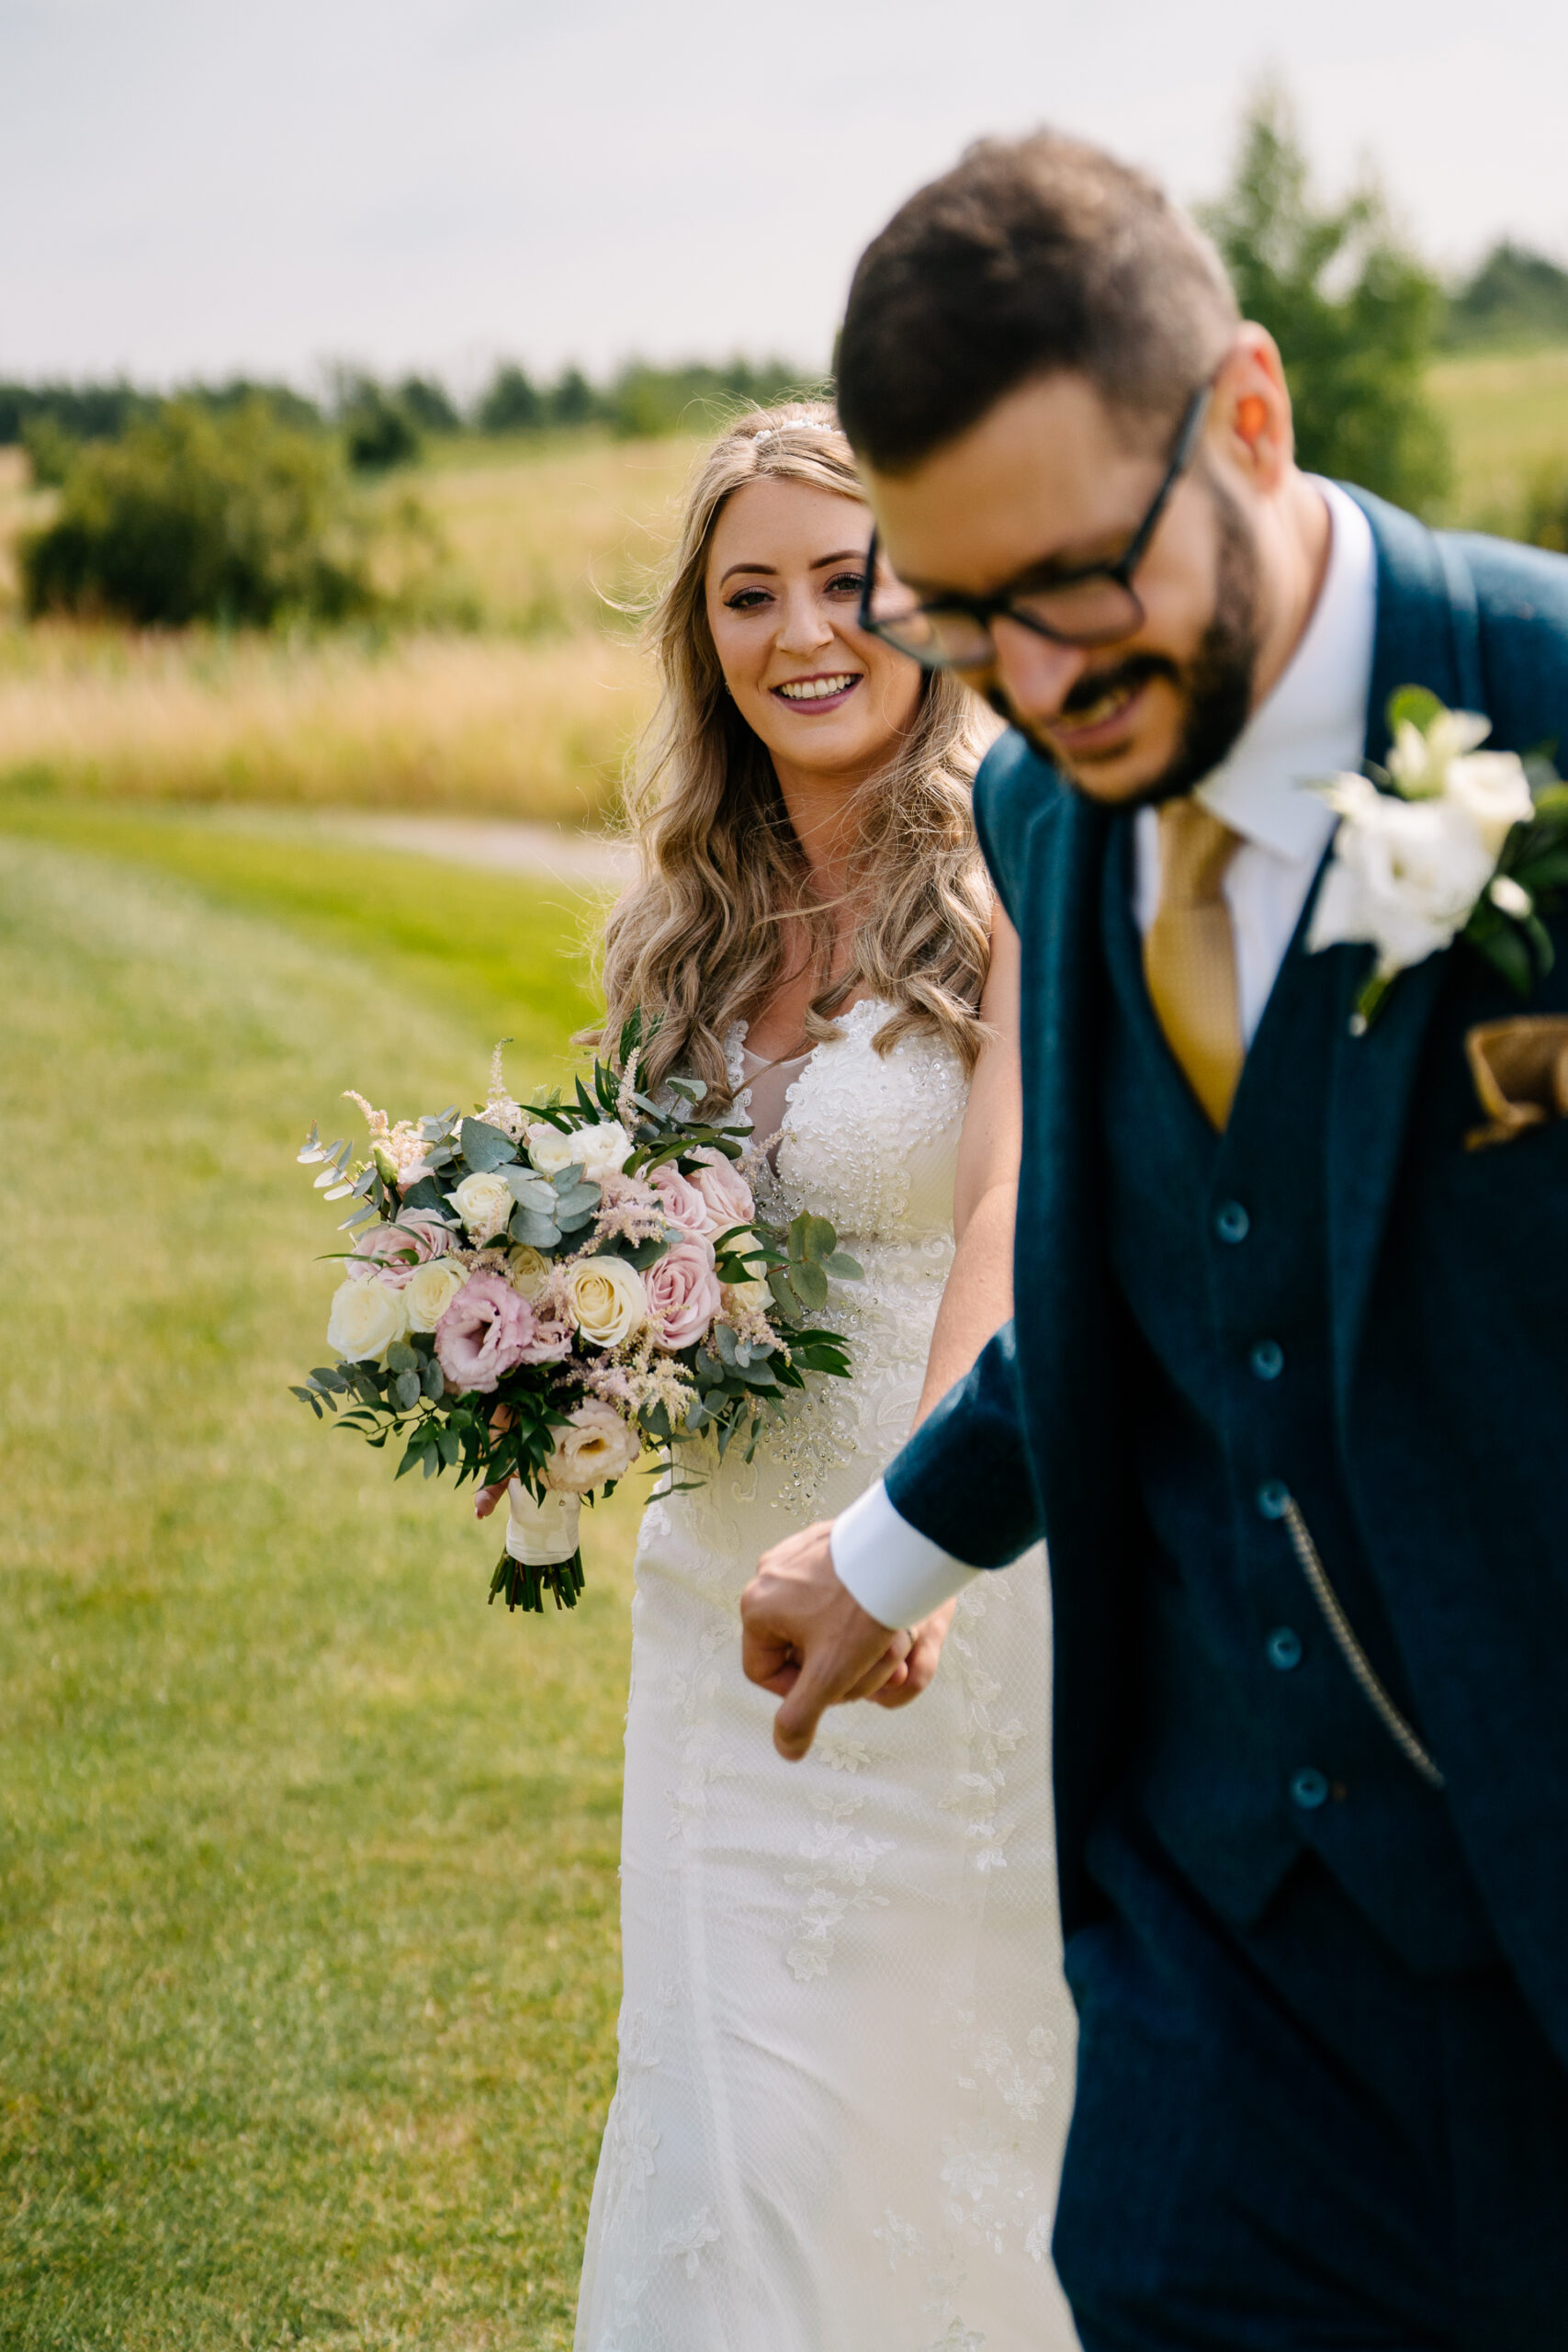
1216, 686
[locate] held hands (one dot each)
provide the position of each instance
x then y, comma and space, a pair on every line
807, 1639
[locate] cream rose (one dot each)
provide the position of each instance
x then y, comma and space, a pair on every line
366, 1317
607, 1300
484, 1203
600, 1151
595, 1446
529, 1269
430, 1290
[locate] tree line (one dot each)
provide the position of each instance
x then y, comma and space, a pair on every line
235, 501
385, 422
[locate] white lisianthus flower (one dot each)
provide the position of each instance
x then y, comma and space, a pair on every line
595, 1446
1421, 757
430, 1290
484, 1203
600, 1151
529, 1269
1406, 873
1493, 787
366, 1317
607, 1300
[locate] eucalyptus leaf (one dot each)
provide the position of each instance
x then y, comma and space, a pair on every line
534, 1231
843, 1267
484, 1147
407, 1390
530, 1190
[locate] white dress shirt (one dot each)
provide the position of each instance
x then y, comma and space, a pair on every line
1312, 725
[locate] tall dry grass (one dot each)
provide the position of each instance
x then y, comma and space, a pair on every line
427, 721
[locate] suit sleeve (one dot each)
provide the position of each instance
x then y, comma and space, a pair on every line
959, 1497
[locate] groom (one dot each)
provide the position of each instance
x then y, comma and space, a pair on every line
1287, 1389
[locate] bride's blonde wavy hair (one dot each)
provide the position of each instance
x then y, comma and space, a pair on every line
697, 941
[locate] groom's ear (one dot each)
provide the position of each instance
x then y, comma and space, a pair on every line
1250, 419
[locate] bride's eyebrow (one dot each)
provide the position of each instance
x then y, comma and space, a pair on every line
819, 563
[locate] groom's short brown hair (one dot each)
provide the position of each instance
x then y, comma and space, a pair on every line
1030, 257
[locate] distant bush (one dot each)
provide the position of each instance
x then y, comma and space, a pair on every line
85, 412
51, 452
426, 400
378, 431
1515, 296
1354, 313
513, 403
229, 517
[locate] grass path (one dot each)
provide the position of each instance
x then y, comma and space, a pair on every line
308, 1964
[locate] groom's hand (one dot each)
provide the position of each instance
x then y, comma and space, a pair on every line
805, 1636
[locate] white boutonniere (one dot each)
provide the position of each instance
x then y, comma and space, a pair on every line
1448, 841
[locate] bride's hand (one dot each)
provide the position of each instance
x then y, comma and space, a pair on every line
487, 1498
920, 1663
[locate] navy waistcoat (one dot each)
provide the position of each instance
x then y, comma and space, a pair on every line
1256, 1742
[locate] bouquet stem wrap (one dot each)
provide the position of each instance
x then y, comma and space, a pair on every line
542, 1550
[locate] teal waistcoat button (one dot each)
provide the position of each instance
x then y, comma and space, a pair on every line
1268, 1360
1232, 1222
1274, 1499
1310, 1789
1283, 1648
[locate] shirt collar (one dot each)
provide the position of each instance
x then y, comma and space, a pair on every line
1314, 724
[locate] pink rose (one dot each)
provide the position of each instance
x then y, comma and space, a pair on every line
683, 1294
484, 1334
683, 1205
386, 1248
726, 1195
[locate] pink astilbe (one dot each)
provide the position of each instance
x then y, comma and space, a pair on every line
629, 1209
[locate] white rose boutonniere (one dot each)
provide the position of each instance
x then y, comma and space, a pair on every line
1448, 841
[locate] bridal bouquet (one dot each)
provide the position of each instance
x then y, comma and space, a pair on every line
541, 1292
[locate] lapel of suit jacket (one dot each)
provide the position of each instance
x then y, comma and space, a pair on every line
1067, 1317
1426, 635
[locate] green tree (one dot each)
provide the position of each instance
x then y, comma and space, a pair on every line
194, 516
1515, 296
1355, 313
513, 404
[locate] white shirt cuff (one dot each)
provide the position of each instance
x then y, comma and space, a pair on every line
898, 1575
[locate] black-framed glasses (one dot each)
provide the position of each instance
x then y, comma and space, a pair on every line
1098, 605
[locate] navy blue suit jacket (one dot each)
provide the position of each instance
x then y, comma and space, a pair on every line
1448, 1275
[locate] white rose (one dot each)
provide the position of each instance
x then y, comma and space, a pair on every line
600, 1151
366, 1319
751, 1294
595, 1446
529, 1269
484, 1203
1493, 787
607, 1300
1406, 877
430, 1290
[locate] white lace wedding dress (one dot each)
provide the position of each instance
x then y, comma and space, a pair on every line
846, 2050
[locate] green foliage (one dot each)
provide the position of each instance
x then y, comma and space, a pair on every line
644, 401
51, 451
1514, 299
307, 1874
430, 405
1543, 522
193, 517
513, 403
1354, 312
378, 431
85, 412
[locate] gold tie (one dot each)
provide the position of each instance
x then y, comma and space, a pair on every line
1189, 954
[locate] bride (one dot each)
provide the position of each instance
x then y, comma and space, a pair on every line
813, 928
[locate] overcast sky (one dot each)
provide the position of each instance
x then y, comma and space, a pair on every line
202, 186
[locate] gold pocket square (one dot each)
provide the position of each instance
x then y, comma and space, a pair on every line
1521, 1069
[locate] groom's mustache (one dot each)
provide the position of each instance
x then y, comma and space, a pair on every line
1123, 677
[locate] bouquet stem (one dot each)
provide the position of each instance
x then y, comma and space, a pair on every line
542, 1552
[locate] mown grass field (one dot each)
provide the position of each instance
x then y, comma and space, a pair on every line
531, 707
308, 1954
